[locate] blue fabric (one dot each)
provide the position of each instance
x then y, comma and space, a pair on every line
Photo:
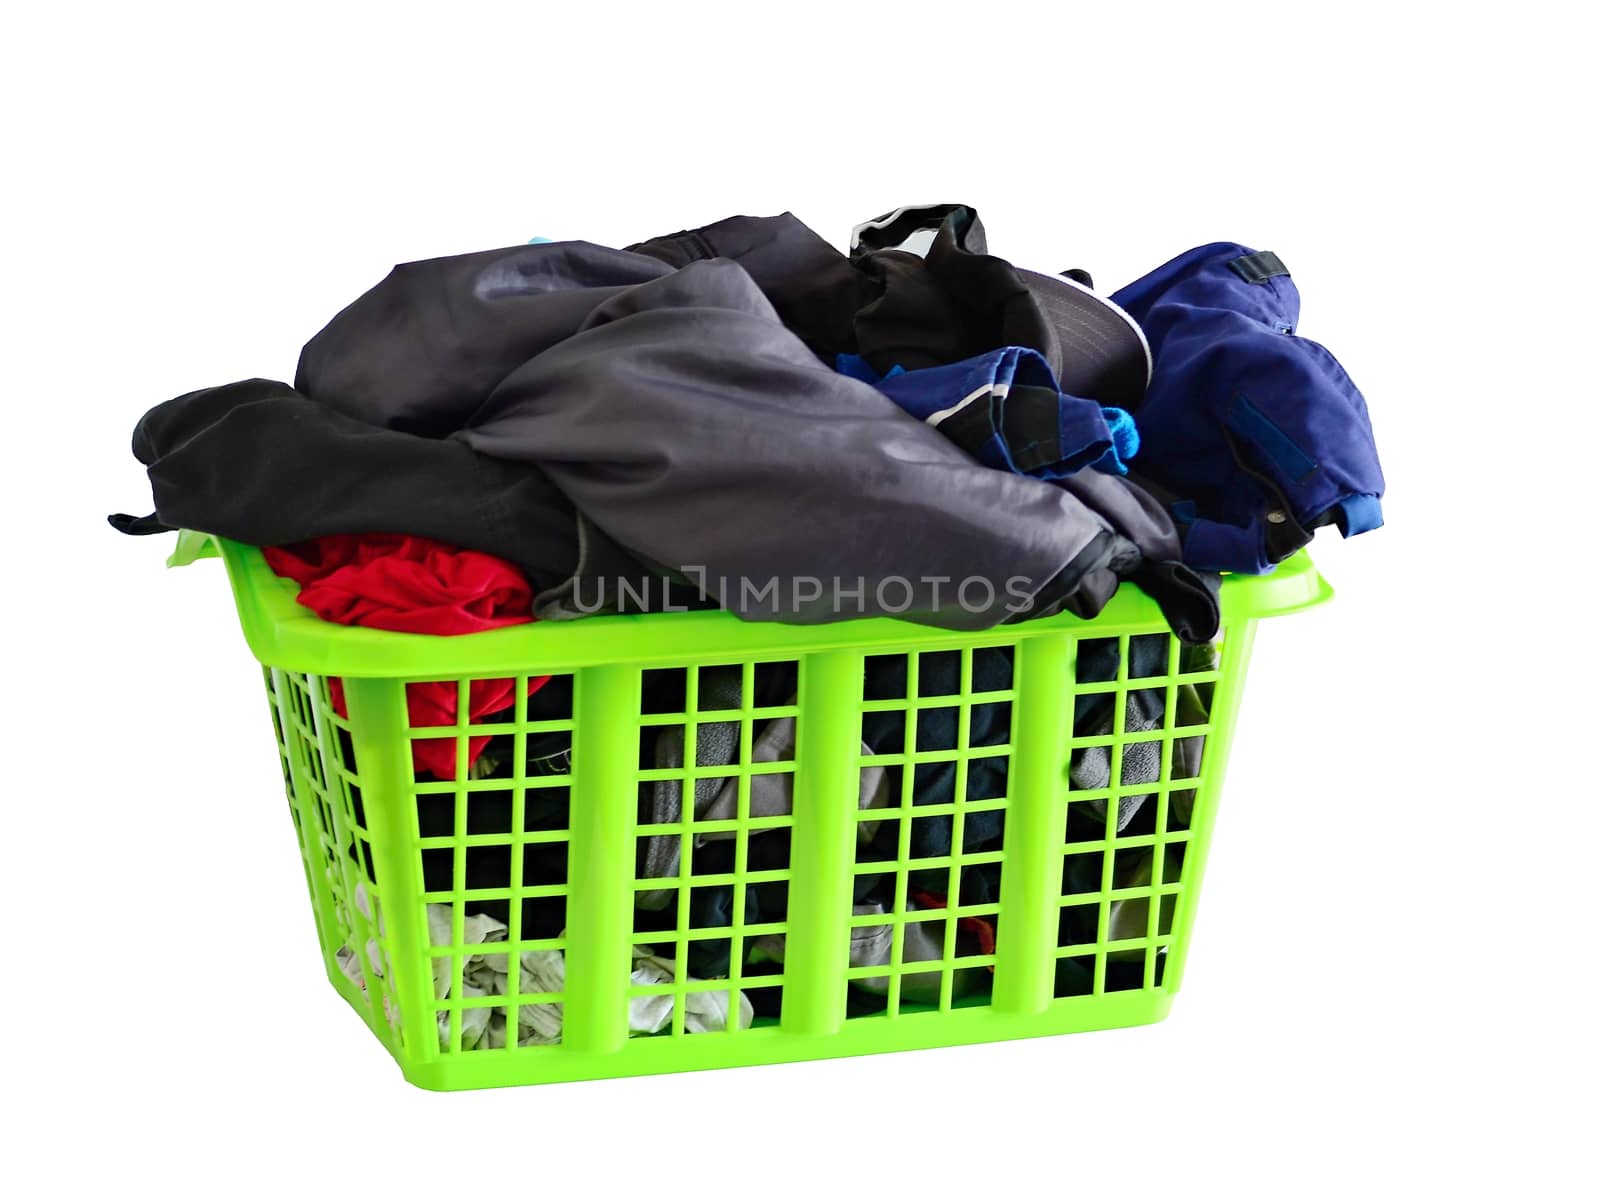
1246, 421
853, 365
1124, 433
1360, 513
1007, 410
1244, 417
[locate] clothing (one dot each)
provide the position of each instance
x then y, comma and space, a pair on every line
980, 928
490, 811
679, 415
434, 705
1189, 599
542, 971
1129, 918
717, 798
259, 463
953, 292
812, 286
416, 586
1258, 434
934, 782
405, 583
937, 729
680, 448
924, 940
920, 290
493, 865
1005, 409
423, 349
718, 689
1094, 713
717, 744
711, 907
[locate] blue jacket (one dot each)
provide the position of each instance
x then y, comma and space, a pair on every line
1257, 433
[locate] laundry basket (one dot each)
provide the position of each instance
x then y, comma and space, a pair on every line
493, 929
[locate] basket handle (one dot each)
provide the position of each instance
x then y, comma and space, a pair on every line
191, 546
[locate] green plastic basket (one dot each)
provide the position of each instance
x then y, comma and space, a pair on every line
399, 953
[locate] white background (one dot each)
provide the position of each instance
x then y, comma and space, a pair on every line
1394, 968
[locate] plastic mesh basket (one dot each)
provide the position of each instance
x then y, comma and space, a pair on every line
500, 928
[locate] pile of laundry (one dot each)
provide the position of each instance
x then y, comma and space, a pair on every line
743, 416
542, 971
